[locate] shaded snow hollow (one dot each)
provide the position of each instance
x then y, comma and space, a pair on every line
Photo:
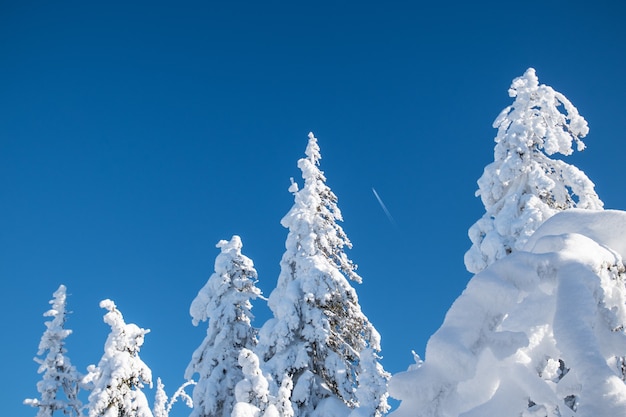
538, 333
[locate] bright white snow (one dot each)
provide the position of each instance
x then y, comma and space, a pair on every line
120, 374
524, 186
538, 333
225, 302
318, 332
60, 381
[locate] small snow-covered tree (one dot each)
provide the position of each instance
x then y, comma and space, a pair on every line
120, 374
159, 409
60, 384
318, 331
163, 405
225, 302
523, 186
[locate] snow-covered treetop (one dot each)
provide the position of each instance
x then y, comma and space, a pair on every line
236, 270
56, 332
123, 337
534, 121
318, 331
523, 186
312, 219
531, 128
225, 302
60, 383
312, 150
120, 374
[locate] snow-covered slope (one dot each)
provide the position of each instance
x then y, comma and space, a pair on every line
538, 333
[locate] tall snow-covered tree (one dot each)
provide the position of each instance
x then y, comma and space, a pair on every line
523, 186
225, 302
60, 383
318, 331
120, 374
539, 333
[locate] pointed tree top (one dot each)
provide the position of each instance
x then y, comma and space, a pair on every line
313, 150
60, 384
523, 186
59, 294
57, 303
540, 118
55, 327
310, 165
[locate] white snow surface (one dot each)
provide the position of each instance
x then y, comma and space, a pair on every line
606, 227
538, 333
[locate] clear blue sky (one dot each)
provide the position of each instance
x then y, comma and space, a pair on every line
135, 135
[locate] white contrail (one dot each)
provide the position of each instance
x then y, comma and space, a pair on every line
384, 207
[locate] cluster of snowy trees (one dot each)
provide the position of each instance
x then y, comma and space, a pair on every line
317, 356
114, 385
539, 331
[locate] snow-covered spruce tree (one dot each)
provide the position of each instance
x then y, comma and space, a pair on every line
318, 331
523, 186
60, 384
159, 409
539, 333
225, 302
120, 374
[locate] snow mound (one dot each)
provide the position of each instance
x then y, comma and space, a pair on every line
606, 227
538, 333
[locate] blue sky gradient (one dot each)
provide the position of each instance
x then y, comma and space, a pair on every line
135, 136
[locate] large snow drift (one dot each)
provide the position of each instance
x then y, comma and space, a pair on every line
538, 333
